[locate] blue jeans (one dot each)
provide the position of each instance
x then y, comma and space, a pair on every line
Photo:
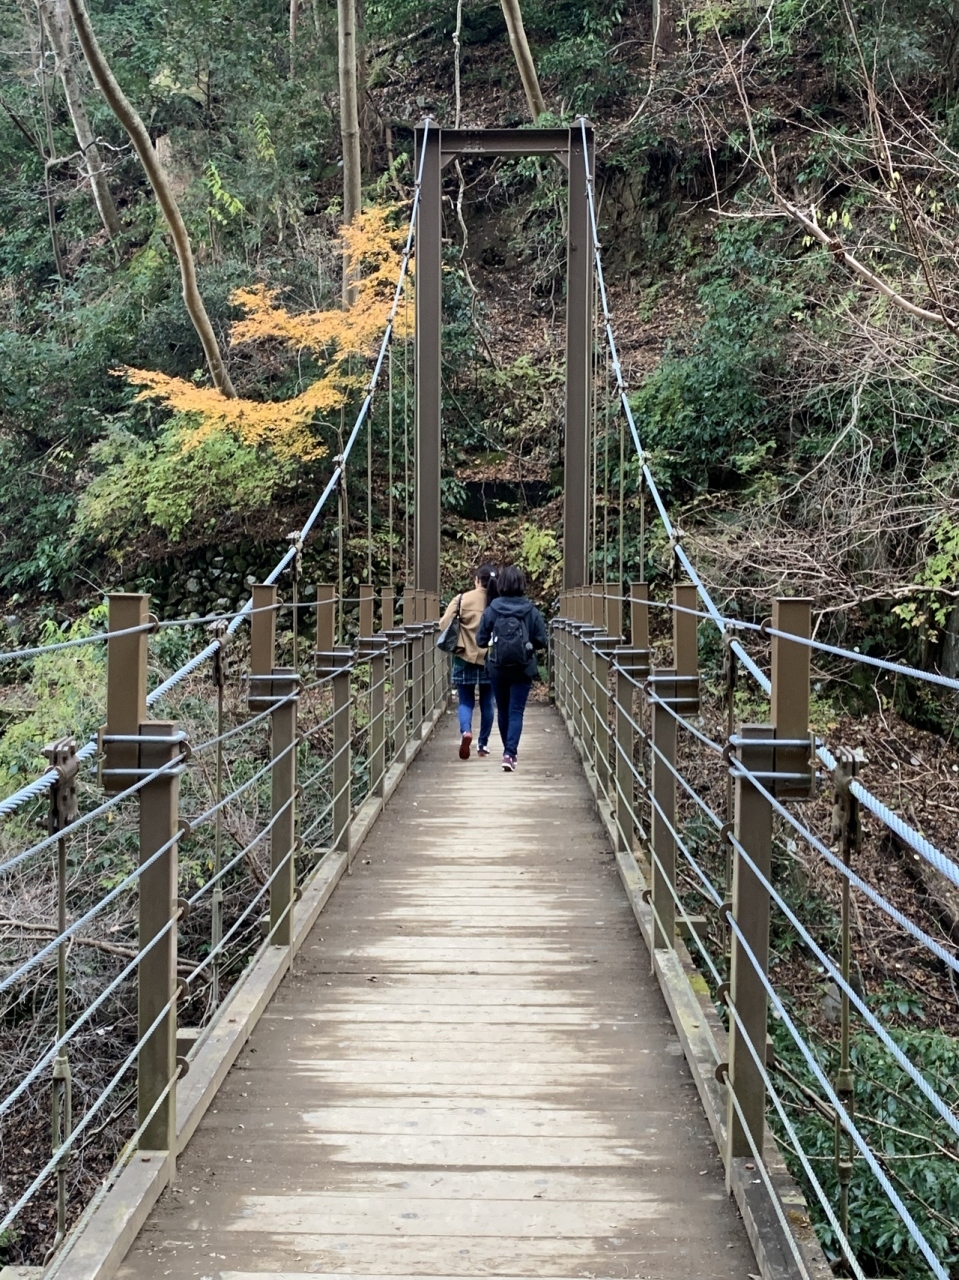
467, 698
511, 694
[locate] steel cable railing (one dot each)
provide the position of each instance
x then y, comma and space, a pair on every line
345, 763
582, 701
902, 829
855, 788
327, 754
42, 784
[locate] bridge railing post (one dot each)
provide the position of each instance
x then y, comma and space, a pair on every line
779, 756
342, 770
283, 733
603, 649
750, 911
630, 669
157, 984
133, 748
275, 688
686, 644
378, 717
639, 615
624, 746
399, 646
662, 693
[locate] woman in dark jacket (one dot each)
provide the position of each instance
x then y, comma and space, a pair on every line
511, 630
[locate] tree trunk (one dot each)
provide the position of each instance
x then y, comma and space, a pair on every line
524, 59
55, 16
49, 158
349, 122
124, 111
294, 19
664, 30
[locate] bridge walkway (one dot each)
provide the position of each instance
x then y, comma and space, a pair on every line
470, 1071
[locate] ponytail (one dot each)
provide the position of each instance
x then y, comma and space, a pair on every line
486, 575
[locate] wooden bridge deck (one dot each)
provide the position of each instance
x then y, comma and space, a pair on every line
469, 1073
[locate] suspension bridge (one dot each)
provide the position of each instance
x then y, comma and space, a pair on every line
397, 1015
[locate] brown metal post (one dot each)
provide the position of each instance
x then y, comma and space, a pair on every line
427, 340
342, 761
613, 591
367, 597
157, 978
753, 830
325, 618
387, 605
399, 678
579, 354
639, 615
601, 736
685, 629
663, 843
418, 674
409, 606
790, 692
126, 687
263, 631
283, 795
598, 597
377, 722
625, 748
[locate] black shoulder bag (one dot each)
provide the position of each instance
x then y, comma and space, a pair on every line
449, 638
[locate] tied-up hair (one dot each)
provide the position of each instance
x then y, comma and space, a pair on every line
486, 576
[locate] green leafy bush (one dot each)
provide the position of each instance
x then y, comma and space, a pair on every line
160, 484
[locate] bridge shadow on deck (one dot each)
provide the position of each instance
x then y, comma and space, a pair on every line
470, 1071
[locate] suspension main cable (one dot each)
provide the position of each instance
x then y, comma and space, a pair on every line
881, 811
41, 785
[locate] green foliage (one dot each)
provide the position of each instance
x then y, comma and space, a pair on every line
541, 556
912, 1142
941, 569
66, 695
160, 484
704, 411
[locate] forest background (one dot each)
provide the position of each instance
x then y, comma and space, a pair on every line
778, 190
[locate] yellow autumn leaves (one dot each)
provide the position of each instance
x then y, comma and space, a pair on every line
338, 338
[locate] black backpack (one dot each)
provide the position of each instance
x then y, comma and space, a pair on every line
510, 646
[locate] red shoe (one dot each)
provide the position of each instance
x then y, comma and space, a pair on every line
465, 741
509, 764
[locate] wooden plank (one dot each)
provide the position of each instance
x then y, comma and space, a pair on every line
469, 1070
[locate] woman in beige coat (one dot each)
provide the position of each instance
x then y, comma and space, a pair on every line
469, 661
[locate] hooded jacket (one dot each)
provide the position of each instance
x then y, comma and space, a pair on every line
518, 606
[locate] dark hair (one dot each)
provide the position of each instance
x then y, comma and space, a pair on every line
511, 581
486, 576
